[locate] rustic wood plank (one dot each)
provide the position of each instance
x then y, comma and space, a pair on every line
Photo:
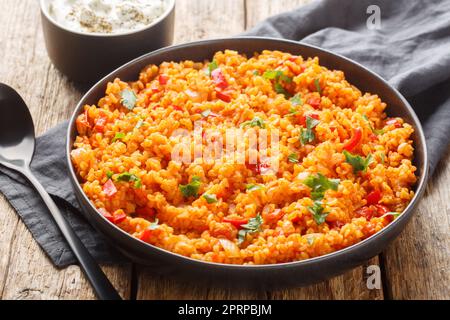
258, 10
25, 271
417, 263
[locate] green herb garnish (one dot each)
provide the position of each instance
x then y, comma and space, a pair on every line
297, 100
358, 163
109, 174
319, 184
293, 158
317, 85
210, 198
253, 187
317, 212
252, 226
307, 134
279, 77
255, 122
191, 189
129, 177
128, 99
118, 136
211, 67
376, 131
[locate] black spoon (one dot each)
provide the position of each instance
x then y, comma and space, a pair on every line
17, 144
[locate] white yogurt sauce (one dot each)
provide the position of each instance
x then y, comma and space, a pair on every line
106, 16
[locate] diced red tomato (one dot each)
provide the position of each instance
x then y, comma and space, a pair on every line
109, 188
394, 122
373, 197
235, 221
273, 216
219, 79
106, 214
354, 140
336, 224
223, 96
100, 124
314, 102
163, 78
119, 216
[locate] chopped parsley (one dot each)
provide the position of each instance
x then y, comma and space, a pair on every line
256, 72
375, 131
255, 122
317, 85
253, 187
128, 99
293, 158
358, 163
318, 213
191, 189
278, 76
307, 134
297, 100
129, 177
210, 198
118, 136
109, 174
319, 184
252, 226
211, 67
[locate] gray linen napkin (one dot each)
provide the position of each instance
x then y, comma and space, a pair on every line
411, 50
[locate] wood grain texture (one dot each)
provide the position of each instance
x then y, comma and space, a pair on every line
25, 271
417, 263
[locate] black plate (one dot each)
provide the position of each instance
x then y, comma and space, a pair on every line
260, 276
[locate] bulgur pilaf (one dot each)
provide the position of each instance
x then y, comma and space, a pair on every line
345, 168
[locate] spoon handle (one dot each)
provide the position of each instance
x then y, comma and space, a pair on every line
102, 286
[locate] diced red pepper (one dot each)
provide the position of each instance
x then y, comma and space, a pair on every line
336, 224
381, 209
163, 78
223, 96
119, 216
100, 124
302, 118
146, 234
178, 108
366, 212
236, 222
355, 139
394, 122
106, 214
373, 197
293, 58
314, 102
109, 188
219, 79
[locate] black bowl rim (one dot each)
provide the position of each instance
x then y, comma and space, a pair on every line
405, 215
166, 13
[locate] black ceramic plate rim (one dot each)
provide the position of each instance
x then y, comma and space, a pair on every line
44, 11
420, 186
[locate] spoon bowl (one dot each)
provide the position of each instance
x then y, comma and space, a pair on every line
16, 128
17, 144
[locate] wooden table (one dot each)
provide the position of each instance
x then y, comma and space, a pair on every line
415, 266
